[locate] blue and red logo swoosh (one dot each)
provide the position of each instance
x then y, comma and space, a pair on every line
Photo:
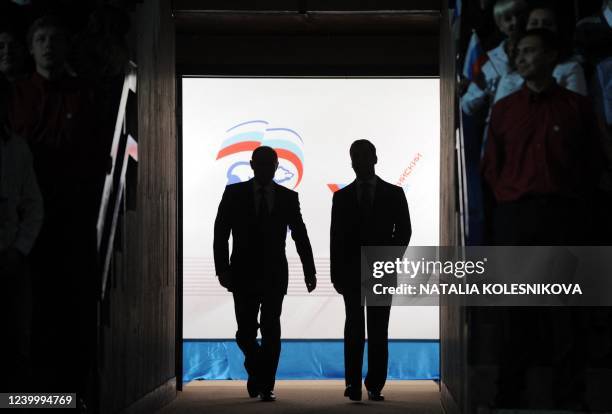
246, 136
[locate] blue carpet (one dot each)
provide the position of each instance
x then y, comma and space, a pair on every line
221, 359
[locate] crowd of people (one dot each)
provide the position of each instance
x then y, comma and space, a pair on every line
56, 123
563, 159
537, 122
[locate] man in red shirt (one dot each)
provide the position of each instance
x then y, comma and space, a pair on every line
541, 164
541, 157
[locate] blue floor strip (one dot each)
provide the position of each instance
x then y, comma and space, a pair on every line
221, 359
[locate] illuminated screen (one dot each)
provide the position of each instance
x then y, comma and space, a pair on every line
311, 123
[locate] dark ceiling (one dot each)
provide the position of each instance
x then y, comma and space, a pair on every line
307, 37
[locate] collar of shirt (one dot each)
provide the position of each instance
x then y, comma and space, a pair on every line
547, 93
607, 14
269, 194
371, 182
499, 59
39, 80
268, 188
62, 82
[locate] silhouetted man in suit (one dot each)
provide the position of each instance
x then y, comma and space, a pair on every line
369, 211
257, 213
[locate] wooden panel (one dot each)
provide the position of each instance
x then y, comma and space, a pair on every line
316, 23
452, 314
305, 5
373, 5
138, 336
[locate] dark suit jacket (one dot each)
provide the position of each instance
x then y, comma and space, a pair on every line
258, 261
389, 225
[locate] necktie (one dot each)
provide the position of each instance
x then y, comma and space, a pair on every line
262, 213
365, 204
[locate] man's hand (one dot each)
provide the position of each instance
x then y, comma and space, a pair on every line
225, 279
11, 261
311, 282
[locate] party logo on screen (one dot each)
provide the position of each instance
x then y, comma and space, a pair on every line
336, 187
240, 141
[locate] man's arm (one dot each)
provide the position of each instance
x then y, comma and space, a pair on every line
403, 226
299, 235
336, 247
223, 229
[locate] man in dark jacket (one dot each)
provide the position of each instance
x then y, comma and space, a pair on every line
367, 212
257, 213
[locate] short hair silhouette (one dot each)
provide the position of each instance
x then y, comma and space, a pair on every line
264, 151
362, 143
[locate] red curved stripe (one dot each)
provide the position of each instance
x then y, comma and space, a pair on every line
333, 187
291, 157
238, 147
251, 145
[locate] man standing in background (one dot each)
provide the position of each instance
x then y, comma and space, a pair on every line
367, 212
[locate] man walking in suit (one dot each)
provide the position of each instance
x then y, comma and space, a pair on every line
257, 213
367, 212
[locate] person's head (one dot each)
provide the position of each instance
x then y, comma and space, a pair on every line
48, 43
363, 158
510, 16
12, 53
537, 54
543, 17
264, 163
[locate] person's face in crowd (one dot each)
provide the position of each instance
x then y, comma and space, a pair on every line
264, 164
542, 19
363, 160
510, 23
533, 61
49, 48
12, 55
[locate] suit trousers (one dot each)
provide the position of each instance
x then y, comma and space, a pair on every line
377, 318
260, 360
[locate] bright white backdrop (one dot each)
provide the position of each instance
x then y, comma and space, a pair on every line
312, 122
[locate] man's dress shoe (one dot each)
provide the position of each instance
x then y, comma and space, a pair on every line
353, 393
267, 396
252, 387
375, 396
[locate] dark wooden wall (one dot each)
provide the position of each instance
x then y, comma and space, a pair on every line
452, 315
137, 344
